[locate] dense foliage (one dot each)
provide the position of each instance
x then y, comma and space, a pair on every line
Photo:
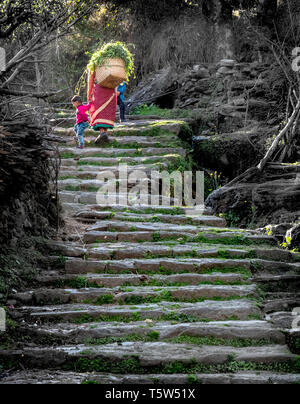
156, 10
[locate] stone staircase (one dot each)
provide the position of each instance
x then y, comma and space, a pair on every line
147, 294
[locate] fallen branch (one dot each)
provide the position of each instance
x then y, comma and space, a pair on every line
279, 137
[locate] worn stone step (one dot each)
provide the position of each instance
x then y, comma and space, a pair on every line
147, 250
174, 265
135, 127
54, 377
92, 169
135, 295
104, 280
68, 120
115, 200
113, 225
242, 309
145, 356
109, 161
170, 265
92, 172
74, 207
233, 332
118, 251
95, 185
148, 232
140, 225
132, 250
213, 221
71, 152
119, 141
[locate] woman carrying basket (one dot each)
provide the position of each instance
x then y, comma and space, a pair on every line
108, 67
103, 108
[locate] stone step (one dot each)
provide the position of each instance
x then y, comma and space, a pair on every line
230, 333
182, 233
118, 251
174, 265
115, 200
146, 357
115, 141
120, 226
94, 152
160, 218
108, 161
92, 173
156, 128
68, 120
72, 208
53, 377
243, 309
135, 295
167, 265
54, 278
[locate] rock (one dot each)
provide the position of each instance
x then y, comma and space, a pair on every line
202, 73
239, 101
224, 70
227, 63
155, 87
293, 237
266, 198
278, 230
219, 152
204, 86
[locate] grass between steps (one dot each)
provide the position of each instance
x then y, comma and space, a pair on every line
152, 131
165, 296
132, 365
139, 152
84, 283
131, 164
182, 339
173, 317
165, 271
183, 239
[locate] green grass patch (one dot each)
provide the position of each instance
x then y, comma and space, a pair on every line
132, 365
135, 316
182, 339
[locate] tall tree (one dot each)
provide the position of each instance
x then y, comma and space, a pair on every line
29, 26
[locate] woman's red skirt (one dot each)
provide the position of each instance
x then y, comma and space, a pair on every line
104, 107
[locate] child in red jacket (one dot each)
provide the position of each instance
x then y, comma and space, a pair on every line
82, 119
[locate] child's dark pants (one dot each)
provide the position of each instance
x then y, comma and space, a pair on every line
79, 130
121, 104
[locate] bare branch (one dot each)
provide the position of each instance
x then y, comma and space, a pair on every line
28, 94
279, 137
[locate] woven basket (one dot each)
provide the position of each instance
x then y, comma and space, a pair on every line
111, 74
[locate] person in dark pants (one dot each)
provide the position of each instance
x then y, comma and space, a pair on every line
121, 101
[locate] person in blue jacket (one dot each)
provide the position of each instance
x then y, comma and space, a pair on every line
121, 101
